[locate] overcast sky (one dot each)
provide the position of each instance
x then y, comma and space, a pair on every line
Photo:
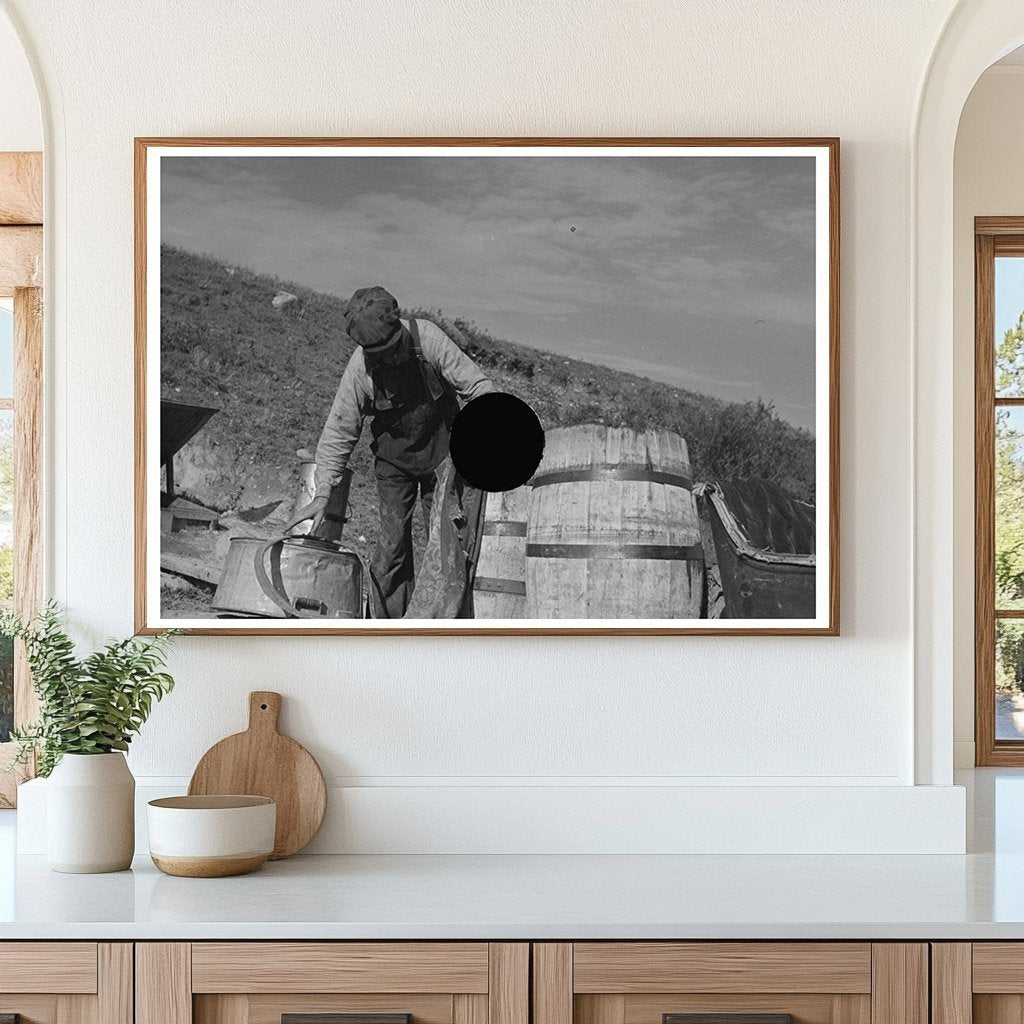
698, 271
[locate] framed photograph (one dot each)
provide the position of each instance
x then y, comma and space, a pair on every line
315, 316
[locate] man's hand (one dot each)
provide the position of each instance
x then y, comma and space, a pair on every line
314, 510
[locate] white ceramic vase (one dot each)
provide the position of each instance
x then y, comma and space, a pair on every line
90, 814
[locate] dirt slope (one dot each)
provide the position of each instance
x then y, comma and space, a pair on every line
272, 371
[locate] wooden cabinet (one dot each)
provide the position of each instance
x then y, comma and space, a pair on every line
494, 983
755, 982
978, 983
264, 982
66, 982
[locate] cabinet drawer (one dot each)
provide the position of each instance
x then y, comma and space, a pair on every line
340, 967
730, 983
66, 982
981, 982
998, 967
65, 967
634, 967
332, 983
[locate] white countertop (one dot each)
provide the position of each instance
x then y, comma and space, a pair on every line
496, 897
977, 896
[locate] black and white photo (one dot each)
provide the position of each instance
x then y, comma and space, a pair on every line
316, 316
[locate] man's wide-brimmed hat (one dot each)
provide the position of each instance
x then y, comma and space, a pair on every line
372, 317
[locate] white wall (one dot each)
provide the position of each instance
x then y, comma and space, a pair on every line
21, 126
987, 181
429, 716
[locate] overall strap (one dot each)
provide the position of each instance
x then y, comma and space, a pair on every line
417, 344
430, 375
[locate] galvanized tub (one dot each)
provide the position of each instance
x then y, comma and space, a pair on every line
290, 577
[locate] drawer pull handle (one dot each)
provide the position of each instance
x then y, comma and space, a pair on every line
727, 1018
341, 1018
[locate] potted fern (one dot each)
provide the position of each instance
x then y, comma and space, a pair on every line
90, 708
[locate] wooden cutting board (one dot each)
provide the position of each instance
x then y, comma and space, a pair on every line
262, 762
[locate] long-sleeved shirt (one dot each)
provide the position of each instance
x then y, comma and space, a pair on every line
354, 400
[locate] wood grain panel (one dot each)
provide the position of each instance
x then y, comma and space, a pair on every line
33, 1009
468, 1009
605, 1009
1011, 244
999, 225
899, 989
635, 967
267, 1009
21, 188
339, 967
851, 1009
998, 967
141, 356
28, 502
65, 967
508, 992
984, 501
552, 983
998, 1009
163, 983
805, 1008
21, 259
76, 1009
115, 983
28, 483
951, 983
228, 1009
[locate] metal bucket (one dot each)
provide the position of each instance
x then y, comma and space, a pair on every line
290, 577
334, 517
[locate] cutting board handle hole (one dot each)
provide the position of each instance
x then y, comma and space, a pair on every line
263, 707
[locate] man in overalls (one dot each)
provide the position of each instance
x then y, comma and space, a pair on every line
408, 376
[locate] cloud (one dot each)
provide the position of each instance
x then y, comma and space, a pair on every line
671, 258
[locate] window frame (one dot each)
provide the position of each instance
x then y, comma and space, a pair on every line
21, 270
993, 237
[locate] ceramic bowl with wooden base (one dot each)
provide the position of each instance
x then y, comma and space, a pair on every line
211, 836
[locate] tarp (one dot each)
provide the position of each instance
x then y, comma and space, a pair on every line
764, 546
769, 518
445, 575
179, 423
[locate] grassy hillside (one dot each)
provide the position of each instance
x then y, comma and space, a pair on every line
272, 373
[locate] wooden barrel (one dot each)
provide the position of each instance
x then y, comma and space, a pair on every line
613, 528
499, 589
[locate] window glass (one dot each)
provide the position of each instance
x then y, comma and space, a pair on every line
1009, 327
1009, 496
1009, 512
6, 568
6, 353
1009, 679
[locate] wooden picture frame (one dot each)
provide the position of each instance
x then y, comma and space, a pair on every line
824, 559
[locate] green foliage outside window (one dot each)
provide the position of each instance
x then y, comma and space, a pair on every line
1009, 508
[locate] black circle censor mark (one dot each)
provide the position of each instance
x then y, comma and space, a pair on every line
497, 442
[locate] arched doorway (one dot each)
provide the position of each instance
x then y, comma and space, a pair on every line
21, 258
976, 34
